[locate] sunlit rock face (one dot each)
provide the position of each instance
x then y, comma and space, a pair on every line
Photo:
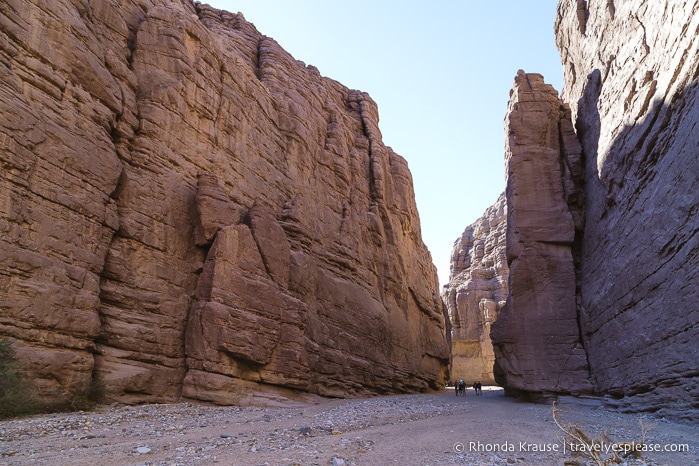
476, 292
189, 211
536, 338
632, 82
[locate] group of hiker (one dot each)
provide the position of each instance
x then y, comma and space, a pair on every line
460, 387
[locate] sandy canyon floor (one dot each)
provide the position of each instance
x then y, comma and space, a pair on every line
428, 429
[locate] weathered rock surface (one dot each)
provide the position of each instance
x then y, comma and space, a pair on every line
632, 80
476, 292
610, 251
186, 210
537, 343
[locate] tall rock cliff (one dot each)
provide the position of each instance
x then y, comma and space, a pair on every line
476, 293
602, 237
538, 346
189, 211
631, 74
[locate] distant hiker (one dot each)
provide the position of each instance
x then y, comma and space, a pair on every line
456, 387
478, 388
462, 387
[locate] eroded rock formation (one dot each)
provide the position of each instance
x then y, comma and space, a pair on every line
476, 293
604, 253
537, 342
189, 211
631, 74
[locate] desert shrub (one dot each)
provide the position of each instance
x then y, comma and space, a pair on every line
89, 397
18, 398
601, 448
16, 395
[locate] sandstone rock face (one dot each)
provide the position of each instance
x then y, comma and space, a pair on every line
189, 211
632, 81
538, 346
476, 293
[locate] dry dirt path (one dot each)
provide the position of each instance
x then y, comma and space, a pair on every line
429, 429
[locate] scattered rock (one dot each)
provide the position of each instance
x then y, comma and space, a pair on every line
380, 430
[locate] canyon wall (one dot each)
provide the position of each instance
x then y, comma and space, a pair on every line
188, 211
631, 74
602, 231
476, 293
538, 346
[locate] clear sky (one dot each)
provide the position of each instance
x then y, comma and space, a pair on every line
440, 72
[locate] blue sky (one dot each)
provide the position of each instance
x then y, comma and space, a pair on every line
440, 73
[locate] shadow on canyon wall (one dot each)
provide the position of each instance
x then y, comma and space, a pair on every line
639, 266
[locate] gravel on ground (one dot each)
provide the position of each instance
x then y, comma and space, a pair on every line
424, 429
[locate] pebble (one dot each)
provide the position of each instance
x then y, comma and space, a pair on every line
172, 433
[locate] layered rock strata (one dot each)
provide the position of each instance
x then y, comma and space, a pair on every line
476, 293
631, 74
631, 82
189, 211
537, 341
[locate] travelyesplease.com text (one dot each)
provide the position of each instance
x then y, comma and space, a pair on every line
565, 447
